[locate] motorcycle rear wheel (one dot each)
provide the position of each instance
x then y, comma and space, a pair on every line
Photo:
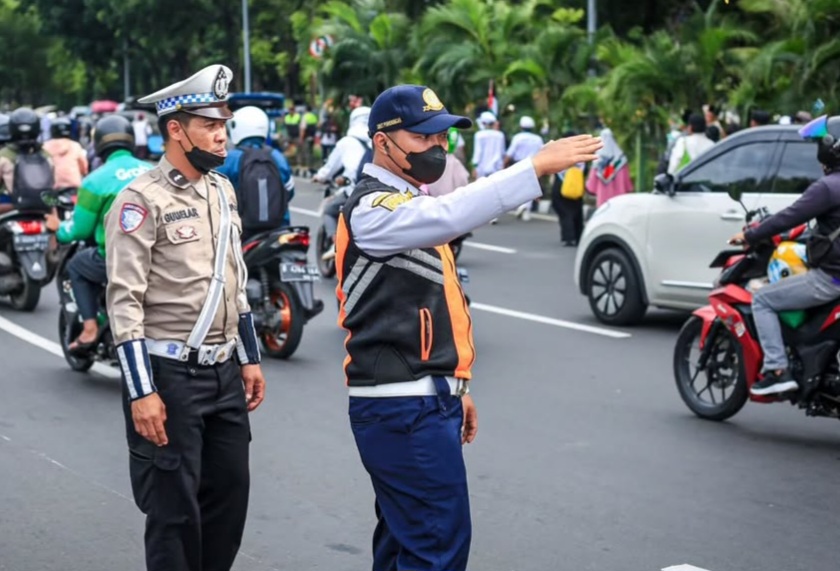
282, 342
724, 371
27, 298
322, 244
66, 335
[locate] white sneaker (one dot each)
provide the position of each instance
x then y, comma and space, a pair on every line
329, 254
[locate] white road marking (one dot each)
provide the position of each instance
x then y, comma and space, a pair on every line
550, 321
471, 244
50, 346
683, 567
489, 247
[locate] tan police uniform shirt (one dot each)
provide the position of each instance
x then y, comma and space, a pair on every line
161, 235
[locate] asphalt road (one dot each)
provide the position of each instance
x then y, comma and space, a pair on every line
586, 458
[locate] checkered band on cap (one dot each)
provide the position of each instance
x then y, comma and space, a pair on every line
175, 103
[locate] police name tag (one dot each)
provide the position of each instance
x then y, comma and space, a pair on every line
291, 272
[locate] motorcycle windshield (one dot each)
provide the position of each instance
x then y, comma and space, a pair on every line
816, 129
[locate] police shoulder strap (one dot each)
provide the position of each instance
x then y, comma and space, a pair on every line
217, 282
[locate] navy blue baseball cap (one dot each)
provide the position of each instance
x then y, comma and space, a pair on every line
415, 108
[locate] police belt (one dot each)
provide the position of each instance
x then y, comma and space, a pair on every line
421, 387
205, 355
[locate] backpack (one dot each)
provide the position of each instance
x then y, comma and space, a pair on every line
573, 184
262, 197
33, 175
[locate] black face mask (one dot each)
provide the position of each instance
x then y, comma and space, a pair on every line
427, 167
203, 161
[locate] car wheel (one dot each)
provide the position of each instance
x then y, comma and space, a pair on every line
614, 292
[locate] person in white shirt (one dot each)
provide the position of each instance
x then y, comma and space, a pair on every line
142, 130
691, 146
524, 145
488, 147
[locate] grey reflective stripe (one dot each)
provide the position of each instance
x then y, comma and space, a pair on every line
364, 282
262, 188
426, 258
217, 282
355, 273
421, 271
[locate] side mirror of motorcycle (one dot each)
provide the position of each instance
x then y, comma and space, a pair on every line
735, 193
664, 183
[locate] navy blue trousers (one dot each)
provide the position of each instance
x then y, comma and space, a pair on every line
411, 447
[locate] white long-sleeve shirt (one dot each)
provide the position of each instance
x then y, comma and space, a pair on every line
488, 152
695, 145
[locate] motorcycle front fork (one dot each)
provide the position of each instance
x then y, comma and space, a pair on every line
706, 352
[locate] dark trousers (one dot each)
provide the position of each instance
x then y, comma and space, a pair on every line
194, 491
570, 213
88, 276
411, 447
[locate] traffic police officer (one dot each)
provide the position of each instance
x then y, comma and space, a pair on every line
409, 343
185, 336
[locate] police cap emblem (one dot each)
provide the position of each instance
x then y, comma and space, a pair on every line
432, 101
220, 86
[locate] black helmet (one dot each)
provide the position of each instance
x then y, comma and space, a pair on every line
61, 129
111, 133
5, 136
24, 125
826, 132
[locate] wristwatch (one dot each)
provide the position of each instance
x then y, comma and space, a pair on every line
463, 387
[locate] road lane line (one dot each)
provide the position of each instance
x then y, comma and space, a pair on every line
471, 244
683, 567
50, 346
550, 321
489, 247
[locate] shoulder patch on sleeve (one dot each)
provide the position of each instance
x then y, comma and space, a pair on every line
391, 200
132, 217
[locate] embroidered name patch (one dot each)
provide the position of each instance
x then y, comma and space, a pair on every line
392, 200
132, 217
177, 215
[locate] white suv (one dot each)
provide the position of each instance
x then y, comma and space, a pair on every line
654, 249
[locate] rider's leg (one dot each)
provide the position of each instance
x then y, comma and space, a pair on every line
797, 292
87, 275
331, 211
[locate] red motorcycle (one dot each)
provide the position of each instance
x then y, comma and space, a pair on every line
717, 357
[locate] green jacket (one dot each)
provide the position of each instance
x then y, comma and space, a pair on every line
95, 196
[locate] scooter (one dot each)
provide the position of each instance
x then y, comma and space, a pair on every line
280, 288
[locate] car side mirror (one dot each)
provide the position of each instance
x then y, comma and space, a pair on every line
664, 183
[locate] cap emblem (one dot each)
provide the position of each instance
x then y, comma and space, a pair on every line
432, 101
220, 85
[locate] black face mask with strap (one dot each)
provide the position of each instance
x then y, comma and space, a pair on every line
427, 166
203, 161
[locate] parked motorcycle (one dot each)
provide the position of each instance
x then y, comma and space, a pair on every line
280, 288
717, 356
24, 265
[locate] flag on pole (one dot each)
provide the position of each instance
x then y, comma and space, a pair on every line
492, 102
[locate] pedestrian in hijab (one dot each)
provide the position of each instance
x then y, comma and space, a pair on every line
610, 175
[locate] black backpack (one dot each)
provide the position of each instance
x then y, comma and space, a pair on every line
261, 195
33, 175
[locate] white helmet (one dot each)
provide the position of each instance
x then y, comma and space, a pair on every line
359, 116
248, 122
527, 122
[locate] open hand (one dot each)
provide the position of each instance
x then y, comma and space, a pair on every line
557, 156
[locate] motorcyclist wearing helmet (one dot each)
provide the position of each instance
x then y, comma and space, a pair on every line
69, 158
114, 143
816, 287
346, 160
249, 128
24, 128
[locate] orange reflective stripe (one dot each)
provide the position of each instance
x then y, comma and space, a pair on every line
458, 314
342, 241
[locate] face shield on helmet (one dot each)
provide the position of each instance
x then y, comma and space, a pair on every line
248, 122
828, 143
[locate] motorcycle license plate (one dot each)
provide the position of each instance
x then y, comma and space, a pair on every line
24, 242
290, 272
